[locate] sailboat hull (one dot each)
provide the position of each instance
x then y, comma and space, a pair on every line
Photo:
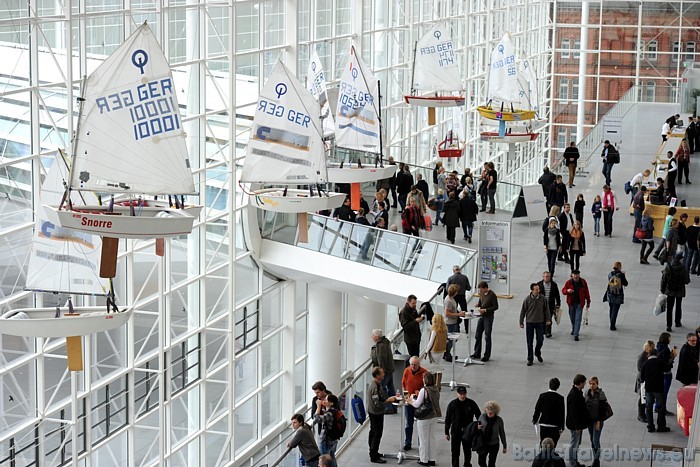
41, 322
150, 221
494, 137
296, 201
435, 101
518, 115
355, 174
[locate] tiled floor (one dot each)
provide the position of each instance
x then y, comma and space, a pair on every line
609, 355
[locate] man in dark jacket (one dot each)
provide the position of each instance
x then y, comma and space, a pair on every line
608, 150
687, 372
652, 375
304, 439
410, 322
422, 185
550, 290
546, 180
382, 356
674, 278
404, 182
468, 210
377, 398
577, 418
571, 156
534, 314
566, 222
549, 413
557, 193
345, 212
460, 413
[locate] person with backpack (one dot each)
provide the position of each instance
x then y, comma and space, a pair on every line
673, 281
332, 423
426, 422
615, 293
610, 157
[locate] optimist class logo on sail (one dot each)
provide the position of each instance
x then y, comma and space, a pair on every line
151, 105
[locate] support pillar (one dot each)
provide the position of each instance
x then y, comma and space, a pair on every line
365, 315
324, 337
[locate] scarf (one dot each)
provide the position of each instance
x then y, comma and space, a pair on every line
575, 233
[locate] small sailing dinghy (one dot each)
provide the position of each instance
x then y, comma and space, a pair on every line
435, 69
451, 146
286, 148
64, 261
129, 141
359, 130
506, 101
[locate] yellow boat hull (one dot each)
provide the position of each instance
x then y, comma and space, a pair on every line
518, 115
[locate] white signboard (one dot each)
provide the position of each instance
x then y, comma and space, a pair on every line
494, 255
535, 202
612, 129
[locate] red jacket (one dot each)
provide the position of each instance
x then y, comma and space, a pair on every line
584, 298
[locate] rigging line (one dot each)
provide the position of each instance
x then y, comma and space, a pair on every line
318, 110
364, 79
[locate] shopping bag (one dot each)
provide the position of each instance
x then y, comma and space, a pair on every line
557, 314
660, 304
428, 222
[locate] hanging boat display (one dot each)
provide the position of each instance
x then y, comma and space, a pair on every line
506, 100
286, 148
451, 146
435, 70
129, 142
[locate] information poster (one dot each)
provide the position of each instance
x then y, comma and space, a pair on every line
535, 202
494, 255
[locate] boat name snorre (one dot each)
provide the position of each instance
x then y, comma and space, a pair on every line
87, 222
444, 49
151, 105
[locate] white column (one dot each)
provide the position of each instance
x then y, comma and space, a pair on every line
365, 315
323, 337
581, 111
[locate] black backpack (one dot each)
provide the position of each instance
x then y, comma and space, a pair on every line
336, 429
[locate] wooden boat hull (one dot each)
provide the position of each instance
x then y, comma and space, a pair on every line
41, 322
517, 116
446, 152
355, 174
435, 101
494, 137
150, 221
296, 201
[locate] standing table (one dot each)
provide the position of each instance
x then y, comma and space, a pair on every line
454, 337
401, 455
468, 316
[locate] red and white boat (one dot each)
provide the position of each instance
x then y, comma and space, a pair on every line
435, 70
129, 142
451, 146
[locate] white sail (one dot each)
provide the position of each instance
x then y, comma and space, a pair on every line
503, 75
358, 105
527, 84
131, 138
63, 260
316, 84
285, 144
435, 67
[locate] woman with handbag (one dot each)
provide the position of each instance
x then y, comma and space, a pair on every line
598, 410
646, 232
426, 412
437, 346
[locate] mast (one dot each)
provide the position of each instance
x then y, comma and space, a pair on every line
379, 117
413, 68
81, 102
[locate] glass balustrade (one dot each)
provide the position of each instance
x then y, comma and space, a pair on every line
396, 252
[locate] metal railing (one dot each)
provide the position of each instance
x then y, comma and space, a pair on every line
392, 251
358, 385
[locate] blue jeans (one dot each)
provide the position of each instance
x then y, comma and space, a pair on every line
575, 315
451, 328
467, 228
691, 260
576, 436
409, 426
596, 225
328, 447
607, 171
614, 309
595, 438
532, 330
387, 384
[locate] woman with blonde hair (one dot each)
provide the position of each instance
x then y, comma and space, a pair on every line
577, 245
493, 428
427, 423
437, 346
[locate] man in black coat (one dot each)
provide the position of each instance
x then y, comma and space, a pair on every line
549, 413
566, 222
571, 156
404, 182
468, 210
550, 290
577, 418
691, 133
422, 185
557, 193
410, 322
460, 413
546, 180
652, 375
